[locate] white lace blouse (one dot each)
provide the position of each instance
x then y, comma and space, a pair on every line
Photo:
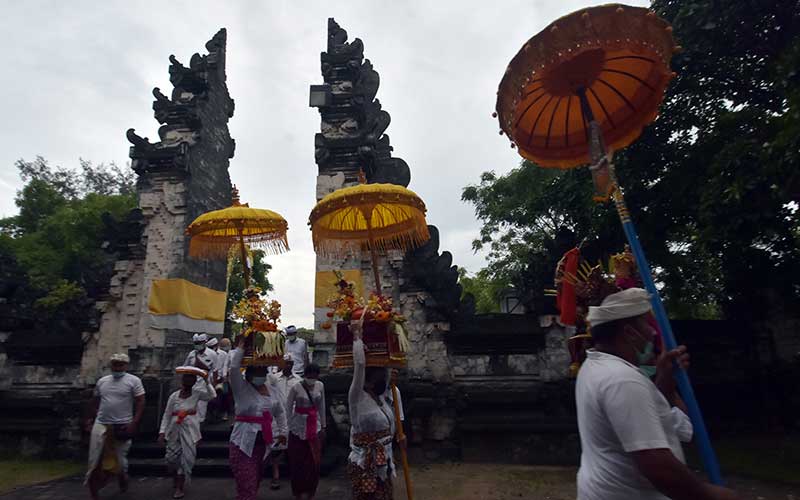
250, 402
366, 415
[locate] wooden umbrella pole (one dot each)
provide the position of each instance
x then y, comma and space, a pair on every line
401, 436
244, 260
373, 255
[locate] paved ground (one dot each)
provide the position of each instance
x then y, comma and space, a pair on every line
432, 482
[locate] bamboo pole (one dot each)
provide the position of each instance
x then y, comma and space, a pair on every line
401, 436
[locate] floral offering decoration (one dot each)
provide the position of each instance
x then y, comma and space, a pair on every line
260, 318
344, 303
345, 307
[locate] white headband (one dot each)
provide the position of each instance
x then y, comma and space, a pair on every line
625, 304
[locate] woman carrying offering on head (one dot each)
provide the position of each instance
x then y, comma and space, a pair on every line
251, 439
372, 422
180, 425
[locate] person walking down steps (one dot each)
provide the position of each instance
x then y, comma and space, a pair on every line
180, 425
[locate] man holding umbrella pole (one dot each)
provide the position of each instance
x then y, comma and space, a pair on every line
631, 428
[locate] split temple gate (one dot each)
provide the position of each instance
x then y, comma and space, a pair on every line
478, 387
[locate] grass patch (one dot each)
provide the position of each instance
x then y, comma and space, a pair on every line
768, 458
16, 472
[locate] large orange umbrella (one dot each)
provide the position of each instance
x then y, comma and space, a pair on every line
610, 63
586, 84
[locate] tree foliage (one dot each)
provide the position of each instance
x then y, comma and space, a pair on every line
258, 277
484, 289
713, 184
53, 246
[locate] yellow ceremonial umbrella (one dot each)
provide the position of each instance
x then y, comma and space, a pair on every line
215, 233
368, 217
371, 217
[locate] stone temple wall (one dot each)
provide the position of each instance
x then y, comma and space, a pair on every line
181, 176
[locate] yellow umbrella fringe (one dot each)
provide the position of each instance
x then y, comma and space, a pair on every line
335, 247
204, 247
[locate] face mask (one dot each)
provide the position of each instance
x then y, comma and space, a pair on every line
259, 381
292, 338
644, 355
648, 371
118, 374
379, 388
199, 347
226, 349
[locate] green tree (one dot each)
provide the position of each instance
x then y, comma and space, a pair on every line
483, 288
713, 184
258, 277
57, 236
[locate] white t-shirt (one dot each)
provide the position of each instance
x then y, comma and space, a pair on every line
208, 357
116, 398
299, 351
619, 411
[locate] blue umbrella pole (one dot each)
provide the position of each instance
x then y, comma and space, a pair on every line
707, 454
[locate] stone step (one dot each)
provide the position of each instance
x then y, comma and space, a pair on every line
218, 466
203, 467
206, 449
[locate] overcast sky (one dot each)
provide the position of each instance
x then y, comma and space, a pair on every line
77, 74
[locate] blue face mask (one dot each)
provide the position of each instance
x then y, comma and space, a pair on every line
644, 356
259, 381
118, 374
648, 371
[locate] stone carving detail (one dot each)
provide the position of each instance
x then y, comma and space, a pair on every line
353, 124
186, 113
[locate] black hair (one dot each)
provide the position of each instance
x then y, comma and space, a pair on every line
251, 371
312, 369
607, 331
371, 373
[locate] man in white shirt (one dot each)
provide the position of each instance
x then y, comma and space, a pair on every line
630, 427
297, 348
205, 358
113, 421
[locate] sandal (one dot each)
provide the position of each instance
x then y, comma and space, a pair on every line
179, 494
275, 485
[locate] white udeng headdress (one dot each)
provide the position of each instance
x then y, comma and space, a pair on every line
625, 304
199, 337
120, 357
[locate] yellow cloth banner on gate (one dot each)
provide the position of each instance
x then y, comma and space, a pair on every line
178, 296
326, 285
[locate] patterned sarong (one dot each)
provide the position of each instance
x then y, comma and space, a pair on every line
247, 470
366, 483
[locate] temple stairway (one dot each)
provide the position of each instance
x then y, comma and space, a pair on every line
146, 457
